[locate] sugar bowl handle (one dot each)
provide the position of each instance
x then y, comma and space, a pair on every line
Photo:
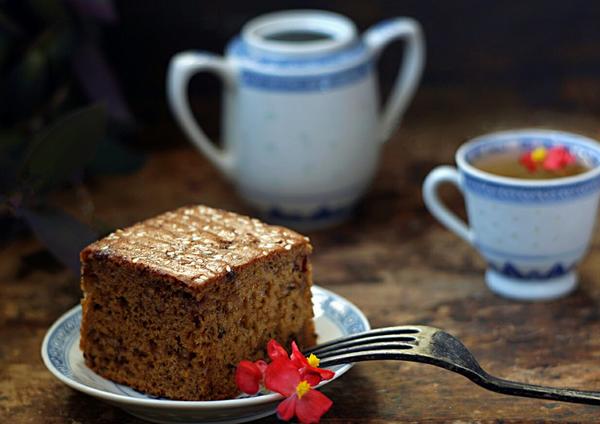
377, 38
440, 175
181, 69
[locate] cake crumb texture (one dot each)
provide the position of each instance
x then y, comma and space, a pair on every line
172, 304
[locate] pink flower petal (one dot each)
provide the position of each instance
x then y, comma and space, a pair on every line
527, 161
297, 357
312, 378
287, 408
275, 350
558, 158
553, 164
248, 377
313, 375
311, 407
282, 376
262, 366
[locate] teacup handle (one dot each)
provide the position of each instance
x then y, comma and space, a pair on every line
181, 69
377, 38
440, 175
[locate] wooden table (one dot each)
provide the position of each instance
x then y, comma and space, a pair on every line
392, 260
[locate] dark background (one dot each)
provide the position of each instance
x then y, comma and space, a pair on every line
546, 53
82, 85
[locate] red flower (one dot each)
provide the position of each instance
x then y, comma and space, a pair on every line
527, 161
250, 375
558, 157
309, 367
292, 376
275, 350
553, 159
309, 405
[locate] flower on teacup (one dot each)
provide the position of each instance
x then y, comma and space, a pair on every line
292, 376
558, 157
553, 159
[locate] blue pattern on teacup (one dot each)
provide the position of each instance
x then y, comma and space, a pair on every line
576, 145
517, 193
520, 194
494, 252
512, 271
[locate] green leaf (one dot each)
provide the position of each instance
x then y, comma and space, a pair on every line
25, 85
12, 147
51, 12
63, 150
9, 31
10, 140
8, 26
61, 233
113, 157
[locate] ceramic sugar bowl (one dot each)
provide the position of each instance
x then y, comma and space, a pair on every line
302, 125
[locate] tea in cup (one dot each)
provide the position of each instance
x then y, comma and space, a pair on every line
531, 198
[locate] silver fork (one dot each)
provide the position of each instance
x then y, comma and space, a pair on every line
433, 346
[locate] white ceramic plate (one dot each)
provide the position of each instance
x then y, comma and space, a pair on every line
334, 317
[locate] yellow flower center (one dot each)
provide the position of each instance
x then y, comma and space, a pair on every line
302, 388
539, 154
313, 361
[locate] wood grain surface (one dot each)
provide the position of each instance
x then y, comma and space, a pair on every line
392, 260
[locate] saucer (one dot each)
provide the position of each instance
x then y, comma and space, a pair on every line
334, 317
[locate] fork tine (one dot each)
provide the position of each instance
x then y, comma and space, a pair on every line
367, 347
371, 355
388, 338
399, 330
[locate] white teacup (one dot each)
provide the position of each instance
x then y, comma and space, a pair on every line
532, 233
302, 127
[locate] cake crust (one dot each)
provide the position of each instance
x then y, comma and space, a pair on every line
195, 244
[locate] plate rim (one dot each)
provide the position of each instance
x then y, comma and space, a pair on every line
179, 404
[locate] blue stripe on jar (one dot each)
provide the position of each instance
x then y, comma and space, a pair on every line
348, 192
322, 213
239, 49
305, 83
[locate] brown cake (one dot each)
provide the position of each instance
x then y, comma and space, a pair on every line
172, 304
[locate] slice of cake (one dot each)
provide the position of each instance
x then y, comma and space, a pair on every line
172, 304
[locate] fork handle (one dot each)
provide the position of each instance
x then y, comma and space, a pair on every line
542, 392
478, 377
